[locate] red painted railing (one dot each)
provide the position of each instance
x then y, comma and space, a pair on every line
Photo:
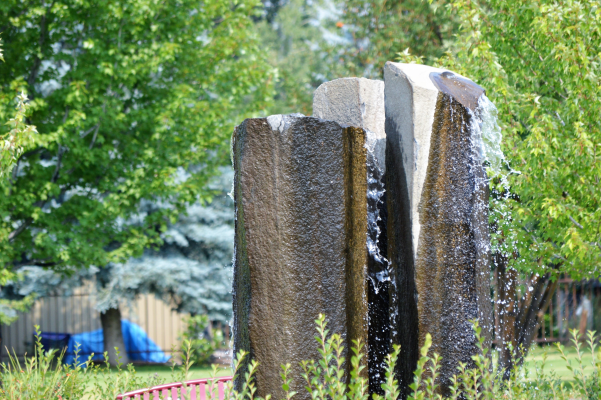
198, 389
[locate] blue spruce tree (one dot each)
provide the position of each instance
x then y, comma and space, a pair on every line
192, 269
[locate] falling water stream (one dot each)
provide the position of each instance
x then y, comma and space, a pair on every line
378, 272
486, 135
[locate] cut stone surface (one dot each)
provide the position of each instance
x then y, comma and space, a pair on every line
437, 197
360, 102
300, 246
354, 102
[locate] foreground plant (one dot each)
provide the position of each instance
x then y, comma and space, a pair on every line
476, 380
44, 377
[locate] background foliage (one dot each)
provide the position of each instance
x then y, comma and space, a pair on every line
191, 271
19, 134
301, 41
380, 29
126, 95
134, 102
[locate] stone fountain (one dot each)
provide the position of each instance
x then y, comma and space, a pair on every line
373, 212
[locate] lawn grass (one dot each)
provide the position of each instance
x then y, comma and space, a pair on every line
555, 364
164, 371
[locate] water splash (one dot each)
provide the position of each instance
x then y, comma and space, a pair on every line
487, 136
377, 263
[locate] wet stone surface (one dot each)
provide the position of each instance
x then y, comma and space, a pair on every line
437, 199
360, 102
454, 246
300, 245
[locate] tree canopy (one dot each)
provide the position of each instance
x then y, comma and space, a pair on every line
378, 30
19, 134
300, 38
191, 271
124, 95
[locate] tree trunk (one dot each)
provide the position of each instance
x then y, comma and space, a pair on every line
519, 319
113, 336
506, 293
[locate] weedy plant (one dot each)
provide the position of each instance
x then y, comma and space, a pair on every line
479, 380
43, 376
197, 342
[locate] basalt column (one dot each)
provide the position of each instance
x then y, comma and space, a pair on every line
301, 226
438, 240
360, 102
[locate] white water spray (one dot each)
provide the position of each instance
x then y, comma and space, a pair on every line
487, 136
375, 192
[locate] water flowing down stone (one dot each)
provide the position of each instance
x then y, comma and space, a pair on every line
360, 102
437, 197
300, 245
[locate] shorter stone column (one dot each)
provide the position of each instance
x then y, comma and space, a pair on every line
360, 102
301, 228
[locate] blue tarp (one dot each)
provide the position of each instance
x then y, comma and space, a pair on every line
54, 340
138, 345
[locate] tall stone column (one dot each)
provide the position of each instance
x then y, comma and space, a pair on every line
301, 229
437, 194
360, 102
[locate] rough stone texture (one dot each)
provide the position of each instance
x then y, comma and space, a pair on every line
300, 195
438, 240
360, 102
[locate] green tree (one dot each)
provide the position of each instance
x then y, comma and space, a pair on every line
539, 61
380, 29
301, 46
191, 272
19, 135
311, 42
128, 97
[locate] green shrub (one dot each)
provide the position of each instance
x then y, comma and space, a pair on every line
201, 346
324, 377
43, 376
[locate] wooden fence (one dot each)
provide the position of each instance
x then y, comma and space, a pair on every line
575, 305
75, 313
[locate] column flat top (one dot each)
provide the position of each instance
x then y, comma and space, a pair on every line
459, 87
